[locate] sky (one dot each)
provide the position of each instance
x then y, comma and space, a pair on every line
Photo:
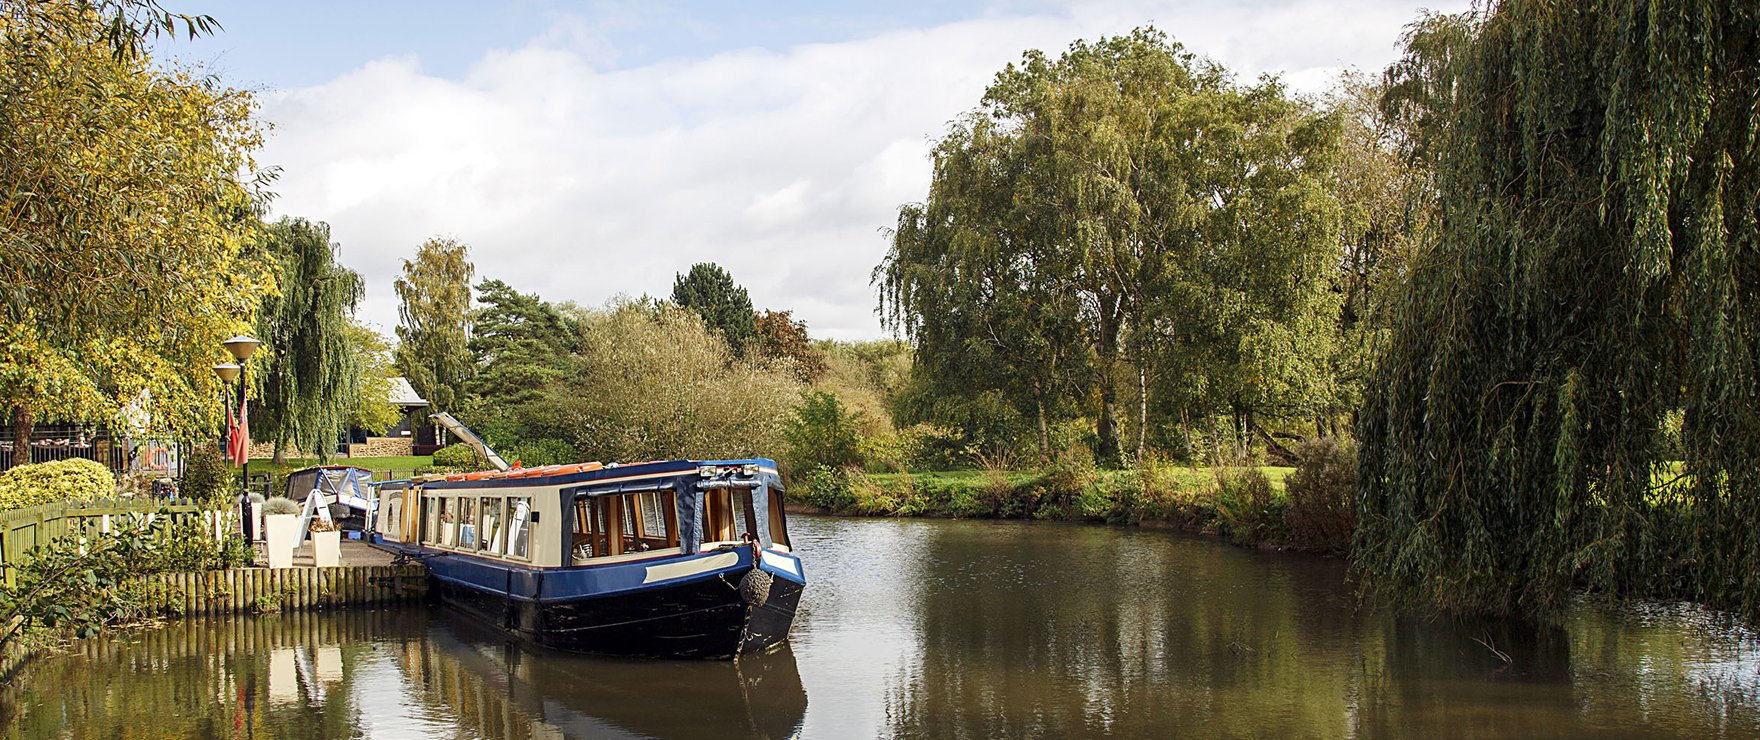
586, 150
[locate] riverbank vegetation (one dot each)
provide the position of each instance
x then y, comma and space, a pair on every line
1514, 273
94, 576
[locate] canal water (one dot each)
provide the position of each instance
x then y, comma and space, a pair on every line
944, 629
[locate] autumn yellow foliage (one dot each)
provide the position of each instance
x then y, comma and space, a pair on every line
129, 215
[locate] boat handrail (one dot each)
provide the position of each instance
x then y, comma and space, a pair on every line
720, 484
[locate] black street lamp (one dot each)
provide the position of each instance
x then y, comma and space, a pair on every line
241, 348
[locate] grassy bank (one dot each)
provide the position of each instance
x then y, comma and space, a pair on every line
1246, 505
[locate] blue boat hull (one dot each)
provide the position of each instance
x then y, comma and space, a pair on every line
725, 605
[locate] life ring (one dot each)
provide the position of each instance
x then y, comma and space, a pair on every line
159, 458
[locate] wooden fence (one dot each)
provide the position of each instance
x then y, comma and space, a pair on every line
24, 529
256, 590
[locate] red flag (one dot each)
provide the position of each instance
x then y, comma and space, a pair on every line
241, 435
231, 433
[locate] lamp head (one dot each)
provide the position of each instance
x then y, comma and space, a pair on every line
227, 371
242, 347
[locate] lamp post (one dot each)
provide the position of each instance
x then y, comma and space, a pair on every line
241, 348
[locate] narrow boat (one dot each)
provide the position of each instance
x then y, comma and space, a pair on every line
681, 558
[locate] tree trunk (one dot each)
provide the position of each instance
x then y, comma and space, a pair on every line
1106, 352
1273, 448
1044, 430
1242, 438
1185, 430
21, 435
280, 457
1142, 412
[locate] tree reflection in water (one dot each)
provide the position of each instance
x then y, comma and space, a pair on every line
943, 629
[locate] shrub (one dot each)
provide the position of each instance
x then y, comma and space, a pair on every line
206, 476
822, 433
280, 505
891, 452
1071, 473
189, 546
1322, 491
826, 488
1246, 510
940, 448
532, 453
73, 479
459, 455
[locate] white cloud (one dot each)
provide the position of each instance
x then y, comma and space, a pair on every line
783, 166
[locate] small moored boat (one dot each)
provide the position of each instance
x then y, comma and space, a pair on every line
680, 558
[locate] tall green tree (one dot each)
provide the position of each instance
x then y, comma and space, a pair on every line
433, 335
128, 236
1124, 211
1593, 275
309, 379
709, 291
523, 351
371, 408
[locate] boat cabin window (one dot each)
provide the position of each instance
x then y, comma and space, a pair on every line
467, 522
624, 523
448, 521
778, 519
520, 525
491, 527
727, 514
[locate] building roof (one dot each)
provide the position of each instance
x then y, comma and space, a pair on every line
403, 395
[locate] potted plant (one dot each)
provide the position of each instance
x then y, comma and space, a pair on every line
326, 544
280, 530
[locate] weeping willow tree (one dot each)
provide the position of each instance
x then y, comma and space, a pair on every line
1594, 283
313, 377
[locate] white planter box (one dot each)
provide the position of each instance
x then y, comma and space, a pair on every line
281, 536
257, 520
327, 549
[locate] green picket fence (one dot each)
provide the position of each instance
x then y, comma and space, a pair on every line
24, 529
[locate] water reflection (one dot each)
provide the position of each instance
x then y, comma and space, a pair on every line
1000, 629
400, 673
943, 629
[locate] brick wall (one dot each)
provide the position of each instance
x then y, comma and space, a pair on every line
381, 447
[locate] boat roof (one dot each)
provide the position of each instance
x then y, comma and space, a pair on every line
553, 475
331, 467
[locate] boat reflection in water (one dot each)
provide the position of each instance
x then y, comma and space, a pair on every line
550, 693
397, 673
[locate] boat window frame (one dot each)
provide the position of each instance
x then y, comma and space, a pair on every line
468, 518
527, 527
610, 515
448, 522
738, 511
488, 532
778, 519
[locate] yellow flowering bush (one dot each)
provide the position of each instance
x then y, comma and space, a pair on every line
75, 479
